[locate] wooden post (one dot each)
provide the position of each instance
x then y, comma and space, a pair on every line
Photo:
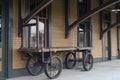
37, 32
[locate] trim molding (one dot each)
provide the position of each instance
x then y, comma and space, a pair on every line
10, 37
19, 72
7, 38
96, 60
115, 57
49, 26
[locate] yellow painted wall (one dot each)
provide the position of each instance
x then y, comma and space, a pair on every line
114, 36
17, 59
58, 31
96, 42
58, 24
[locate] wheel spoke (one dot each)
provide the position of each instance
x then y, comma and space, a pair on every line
88, 62
70, 60
53, 69
33, 66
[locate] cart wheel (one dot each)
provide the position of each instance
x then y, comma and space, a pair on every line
34, 66
70, 60
53, 67
88, 62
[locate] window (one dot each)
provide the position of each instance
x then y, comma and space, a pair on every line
30, 34
83, 7
35, 31
84, 29
85, 35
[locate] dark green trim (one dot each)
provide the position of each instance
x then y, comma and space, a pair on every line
114, 57
67, 12
10, 38
19, 19
27, 7
101, 20
7, 39
109, 46
19, 72
50, 25
3, 24
96, 60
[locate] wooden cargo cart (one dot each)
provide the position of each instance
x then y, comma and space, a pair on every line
39, 55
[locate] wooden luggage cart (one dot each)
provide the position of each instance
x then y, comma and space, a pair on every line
39, 56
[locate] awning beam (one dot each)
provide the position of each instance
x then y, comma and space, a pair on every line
111, 26
40, 7
92, 12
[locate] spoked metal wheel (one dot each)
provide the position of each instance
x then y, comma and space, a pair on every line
88, 62
70, 60
53, 67
34, 66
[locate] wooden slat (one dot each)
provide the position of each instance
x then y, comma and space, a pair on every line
55, 49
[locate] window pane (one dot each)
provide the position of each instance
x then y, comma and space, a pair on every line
85, 35
81, 39
41, 34
25, 37
33, 37
32, 21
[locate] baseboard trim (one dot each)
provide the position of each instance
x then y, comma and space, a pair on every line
19, 72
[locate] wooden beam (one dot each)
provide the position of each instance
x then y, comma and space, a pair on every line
67, 16
92, 12
41, 6
112, 26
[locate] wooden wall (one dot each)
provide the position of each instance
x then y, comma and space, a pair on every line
58, 31
58, 24
114, 36
17, 59
96, 42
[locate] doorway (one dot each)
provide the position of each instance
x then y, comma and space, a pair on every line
106, 44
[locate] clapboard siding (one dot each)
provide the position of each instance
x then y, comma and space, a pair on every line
96, 42
58, 31
17, 60
58, 24
114, 36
